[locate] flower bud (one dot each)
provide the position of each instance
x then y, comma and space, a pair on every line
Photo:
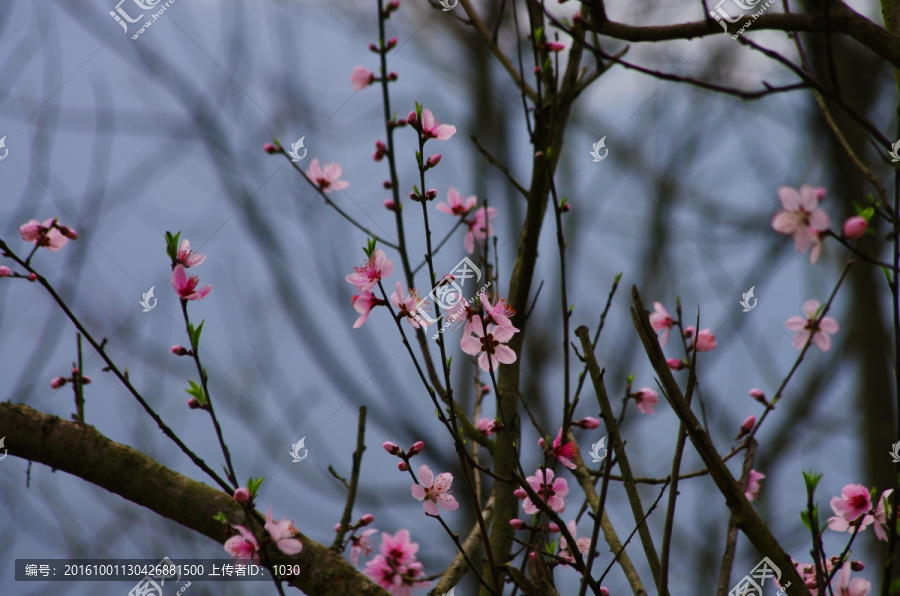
387, 185
58, 382
758, 396
747, 426
180, 351
401, 465
537, 70
553, 528
433, 161
587, 423
539, 155
411, 118
270, 148
857, 566
820, 192
85, 380
373, 47
520, 493
242, 495
554, 46
5, 271
337, 527
194, 404
392, 43
431, 194
390, 205
391, 448
855, 227
604, 591
565, 207
366, 519
32, 276
518, 524
416, 448
68, 232
676, 364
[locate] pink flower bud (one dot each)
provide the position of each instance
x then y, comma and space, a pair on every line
85, 380
539, 155
820, 192
758, 396
5, 271
68, 232
855, 227
416, 448
337, 527
587, 423
485, 389
392, 43
518, 524
433, 161
604, 591
270, 148
373, 47
411, 118
541, 442
554, 46
747, 426
389, 204
689, 332
242, 495
520, 493
393, 5
179, 350
32, 276
857, 566
194, 404
401, 122
566, 207
537, 70
58, 382
401, 465
553, 528
431, 194
366, 519
391, 448
387, 185
675, 363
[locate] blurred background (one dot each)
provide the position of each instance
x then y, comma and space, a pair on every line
125, 139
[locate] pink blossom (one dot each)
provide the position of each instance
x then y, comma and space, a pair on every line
455, 204
554, 46
366, 519
565, 453
675, 363
243, 546
802, 218
480, 344
854, 227
407, 306
583, 544
361, 545
270, 148
660, 320
434, 491
283, 534
758, 395
518, 524
488, 426
416, 448
180, 351
747, 426
753, 486
187, 257
646, 399
378, 267
497, 313
587, 423
241, 495
361, 77
479, 228
391, 448
432, 129
854, 502
5, 271
43, 235
326, 177
552, 491
881, 517
58, 382
806, 326
706, 341
186, 286
395, 568
363, 303
847, 587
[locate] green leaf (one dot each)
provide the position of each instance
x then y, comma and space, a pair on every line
196, 391
538, 33
254, 484
172, 245
194, 334
812, 480
804, 517
618, 277
220, 517
371, 242
887, 276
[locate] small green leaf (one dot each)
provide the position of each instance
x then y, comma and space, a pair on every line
618, 277
812, 480
196, 391
538, 33
220, 517
887, 276
804, 517
254, 484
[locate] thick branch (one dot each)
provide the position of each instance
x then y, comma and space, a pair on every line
83, 452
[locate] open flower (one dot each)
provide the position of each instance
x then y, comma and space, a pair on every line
881, 516
552, 491
753, 486
583, 544
395, 568
186, 285
565, 453
480, 343
187, 257
854, 503
432, 129
378, 267
363, 303
808, 325
244, 546
646, 399
361, 545
326, 177
455, 204
45, 234
407, 306
283, 534
660, 320
858, 586
802, 218
434, 491
706, 340
479, 228
361, 77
